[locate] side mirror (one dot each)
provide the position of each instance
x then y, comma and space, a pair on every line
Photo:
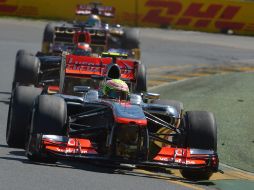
151, 96
92, 95
81, 89
136, 99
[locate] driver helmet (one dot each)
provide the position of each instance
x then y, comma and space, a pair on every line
82, 49
93, 20
116, 89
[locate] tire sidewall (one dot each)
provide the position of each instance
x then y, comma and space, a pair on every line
19, 115
141, 79
27, 70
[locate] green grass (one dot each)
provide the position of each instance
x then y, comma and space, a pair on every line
231, 98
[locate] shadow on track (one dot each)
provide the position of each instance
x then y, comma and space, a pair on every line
167, 177
4, 92
19, 155
4, 146
7, 102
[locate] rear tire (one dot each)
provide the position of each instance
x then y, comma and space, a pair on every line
130, 39
26, 69
19, 115
201, 134
48, 37
141, 81
22, 52
49, 117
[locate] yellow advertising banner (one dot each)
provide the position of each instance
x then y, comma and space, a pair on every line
202, 15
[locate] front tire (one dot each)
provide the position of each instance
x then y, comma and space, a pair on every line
49, 117
201, 134
19, 115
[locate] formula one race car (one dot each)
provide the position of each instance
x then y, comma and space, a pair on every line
46, 74
103, 36
137, 128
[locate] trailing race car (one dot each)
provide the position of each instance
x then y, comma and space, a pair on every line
110, 123
58, 37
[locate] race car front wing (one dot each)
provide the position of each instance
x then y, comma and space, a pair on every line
169, 157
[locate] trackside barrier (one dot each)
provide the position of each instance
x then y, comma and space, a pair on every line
202, 15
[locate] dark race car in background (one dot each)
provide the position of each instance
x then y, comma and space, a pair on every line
103, 36
77, 122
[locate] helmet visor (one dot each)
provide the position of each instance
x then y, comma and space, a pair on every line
116, 94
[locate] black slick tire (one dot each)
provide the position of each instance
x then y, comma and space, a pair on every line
22, 52
201, 134
48, 37
27, 69
49, 117
130, 39
141, 81
19, 115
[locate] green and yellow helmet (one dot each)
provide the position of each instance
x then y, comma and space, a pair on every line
116, 89
93, 20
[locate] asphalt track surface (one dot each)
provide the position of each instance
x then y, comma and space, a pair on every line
169, 55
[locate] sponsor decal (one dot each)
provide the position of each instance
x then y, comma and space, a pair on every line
195, 15
27, 11
17, 9
81, 65
164, 159
6, 8
190, 162
76, 64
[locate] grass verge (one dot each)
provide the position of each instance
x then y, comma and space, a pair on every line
231, 98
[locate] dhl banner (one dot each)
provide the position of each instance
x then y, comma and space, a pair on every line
201, 15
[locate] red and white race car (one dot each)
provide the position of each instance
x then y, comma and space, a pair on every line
77, 122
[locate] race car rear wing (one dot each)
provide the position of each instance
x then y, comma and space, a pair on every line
69, 36
86, 67
105, 11
65, 34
